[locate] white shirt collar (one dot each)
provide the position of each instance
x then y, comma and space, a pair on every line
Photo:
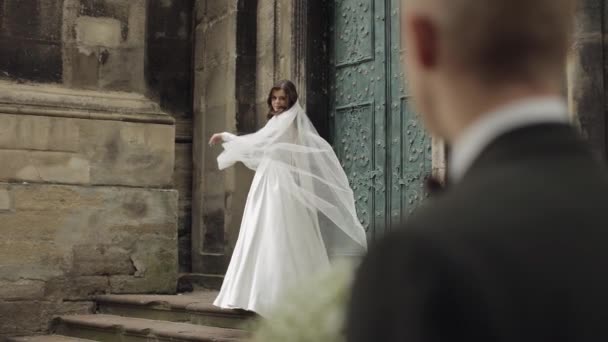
498, 122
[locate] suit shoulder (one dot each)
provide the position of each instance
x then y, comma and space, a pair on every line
409, 241
442, 211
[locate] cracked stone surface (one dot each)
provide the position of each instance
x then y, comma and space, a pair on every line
194, 301
49, 338
66, 244
152, 328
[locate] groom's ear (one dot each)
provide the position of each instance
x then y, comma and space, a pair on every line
423, 41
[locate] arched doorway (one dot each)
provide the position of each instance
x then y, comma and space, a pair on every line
381, 144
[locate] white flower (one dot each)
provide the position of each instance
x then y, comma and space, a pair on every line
312, 312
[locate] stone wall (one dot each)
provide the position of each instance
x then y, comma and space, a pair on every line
242, 48
223, 101
139, 46
86, 205
275, 54
168, 73
214, 111
104, 44
30, 40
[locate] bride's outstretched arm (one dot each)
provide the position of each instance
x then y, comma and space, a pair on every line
219, 137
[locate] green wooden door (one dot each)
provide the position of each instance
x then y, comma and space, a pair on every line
375, 133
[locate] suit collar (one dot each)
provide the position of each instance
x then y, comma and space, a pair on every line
528, 145
490, 126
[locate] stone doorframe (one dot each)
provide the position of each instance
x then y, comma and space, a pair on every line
310, 67
586, 74
241, 47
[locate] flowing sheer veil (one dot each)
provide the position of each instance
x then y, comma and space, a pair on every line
290, 142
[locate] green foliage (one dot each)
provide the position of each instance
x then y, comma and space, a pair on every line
312, 312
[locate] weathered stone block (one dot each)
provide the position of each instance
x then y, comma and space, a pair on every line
129, 153
22, 289
38, 133
588, 16
75, 308
200, 58
185, 252
221, 41
100, 259
183, 184
37, 166
35, 260
261, 112
157, 267
219, 9
182, 175
5, 200
82, 66
219, 83
59, 233
123, 70
31, 44
76, 288
28, 317
266, 30
101, 39
137, 21
91, 31
38, 19
53, 149
52, 100
33, 317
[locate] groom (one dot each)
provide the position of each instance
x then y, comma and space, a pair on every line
516, 249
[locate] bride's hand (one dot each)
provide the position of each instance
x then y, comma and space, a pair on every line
215, 139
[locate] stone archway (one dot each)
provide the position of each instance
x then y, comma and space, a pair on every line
224, 100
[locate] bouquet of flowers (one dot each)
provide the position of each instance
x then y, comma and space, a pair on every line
312, 312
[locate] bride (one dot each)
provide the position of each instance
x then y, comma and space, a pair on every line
300, 211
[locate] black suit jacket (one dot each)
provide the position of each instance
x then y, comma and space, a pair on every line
516, 251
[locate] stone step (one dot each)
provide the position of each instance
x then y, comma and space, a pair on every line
47, 338
194, 308
127, 329
194, 281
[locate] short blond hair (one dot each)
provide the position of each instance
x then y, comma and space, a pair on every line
505, 39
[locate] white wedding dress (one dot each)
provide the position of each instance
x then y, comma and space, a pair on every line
299, 213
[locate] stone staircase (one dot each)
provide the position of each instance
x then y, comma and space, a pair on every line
126, 318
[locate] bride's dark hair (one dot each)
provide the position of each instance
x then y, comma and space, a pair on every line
290, 91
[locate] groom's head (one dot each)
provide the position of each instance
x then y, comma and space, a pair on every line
478, 48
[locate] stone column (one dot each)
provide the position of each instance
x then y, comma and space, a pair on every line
311, 30
281, 48
86, 199
266, 56
218, 196
86, 203
439, 159
586, 85
104, 45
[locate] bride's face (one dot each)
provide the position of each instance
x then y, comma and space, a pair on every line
278, 101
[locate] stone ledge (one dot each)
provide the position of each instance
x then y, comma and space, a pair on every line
89, 326
56, 101
193, 308
82, 241
46, 338
192, 281
32, 317
200, 302
6, 202
90, 152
